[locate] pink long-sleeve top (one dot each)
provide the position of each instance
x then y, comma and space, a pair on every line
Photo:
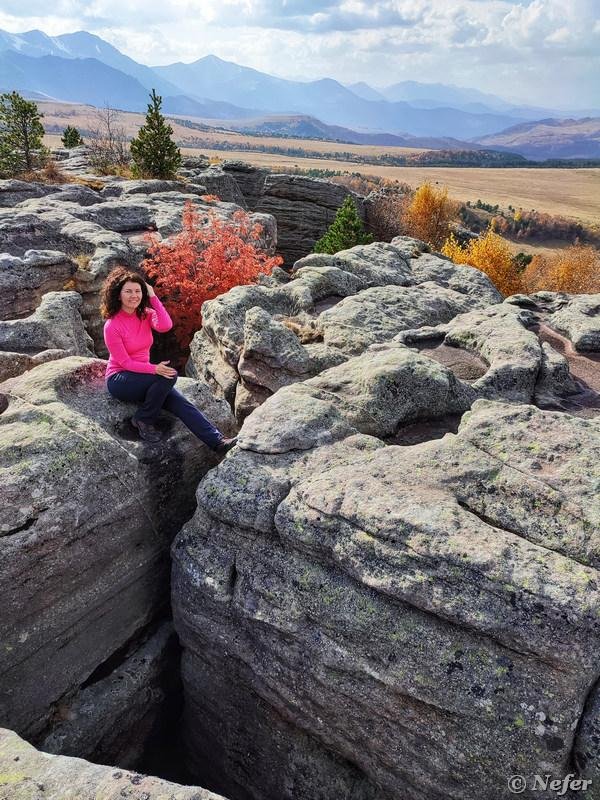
129, 338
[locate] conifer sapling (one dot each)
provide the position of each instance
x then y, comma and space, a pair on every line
154, 153
345, 231
71, 137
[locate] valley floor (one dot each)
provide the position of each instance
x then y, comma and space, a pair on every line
569, 192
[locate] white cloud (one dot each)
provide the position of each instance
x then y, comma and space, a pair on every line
543, 51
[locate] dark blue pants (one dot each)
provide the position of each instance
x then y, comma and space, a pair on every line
155, 393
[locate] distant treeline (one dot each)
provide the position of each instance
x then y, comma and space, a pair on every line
427, 158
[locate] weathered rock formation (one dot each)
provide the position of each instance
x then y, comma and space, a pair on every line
343, 304
409, 615
30, 775
51, 235
387, 591
576, 316
23, 280
409, 621
303, 207
87, 515
54, 330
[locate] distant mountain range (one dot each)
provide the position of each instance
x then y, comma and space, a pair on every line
211, 88
550, 138
307, 127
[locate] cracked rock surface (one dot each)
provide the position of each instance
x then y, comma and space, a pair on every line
87, 517
422, 617
28, 774
339, 306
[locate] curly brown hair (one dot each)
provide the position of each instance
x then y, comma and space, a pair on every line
111, 290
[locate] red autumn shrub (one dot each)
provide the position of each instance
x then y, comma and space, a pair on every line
202, 262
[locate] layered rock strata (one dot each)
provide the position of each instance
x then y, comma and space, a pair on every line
87, 517
375, 621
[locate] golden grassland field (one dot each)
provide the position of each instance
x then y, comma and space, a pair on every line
566, 192
571, 193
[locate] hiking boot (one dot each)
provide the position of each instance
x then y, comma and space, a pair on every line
147, 432
224, 446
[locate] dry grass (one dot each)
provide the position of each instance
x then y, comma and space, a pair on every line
84, 118
573, 193
91, 183
49, 174
82, 260
304, 328
543, 247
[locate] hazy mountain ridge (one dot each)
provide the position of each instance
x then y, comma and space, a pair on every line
550, 138
305, 126
96, 83
407, 113
243, 87
327, 100
85, 45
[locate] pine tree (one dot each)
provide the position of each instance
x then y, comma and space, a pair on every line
71, 137
21, 133
154, 153
345, 231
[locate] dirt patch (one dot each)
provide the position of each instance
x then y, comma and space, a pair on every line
465, 365
425, 430
585, 369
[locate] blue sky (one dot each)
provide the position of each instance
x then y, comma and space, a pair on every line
536, 51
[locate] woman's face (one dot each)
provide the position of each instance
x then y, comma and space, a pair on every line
130, 296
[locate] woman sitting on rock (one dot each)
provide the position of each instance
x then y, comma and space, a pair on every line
132, 311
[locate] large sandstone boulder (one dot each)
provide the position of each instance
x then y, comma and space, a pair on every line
250, 179
372, 621
98, 230
220, 183
88, 511
303, 207
336, 305
54, 330
24, 279
27, 774
55, 324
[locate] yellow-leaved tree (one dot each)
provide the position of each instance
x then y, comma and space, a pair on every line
430, 213
491, 254
575, 270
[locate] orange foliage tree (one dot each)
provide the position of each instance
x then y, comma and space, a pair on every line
203, 261
575, 270
491, 254
430, 213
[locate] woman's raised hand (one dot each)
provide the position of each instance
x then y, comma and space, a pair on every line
165, 371
151, 292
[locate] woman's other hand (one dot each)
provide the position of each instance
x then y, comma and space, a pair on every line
151, 292
165, 371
